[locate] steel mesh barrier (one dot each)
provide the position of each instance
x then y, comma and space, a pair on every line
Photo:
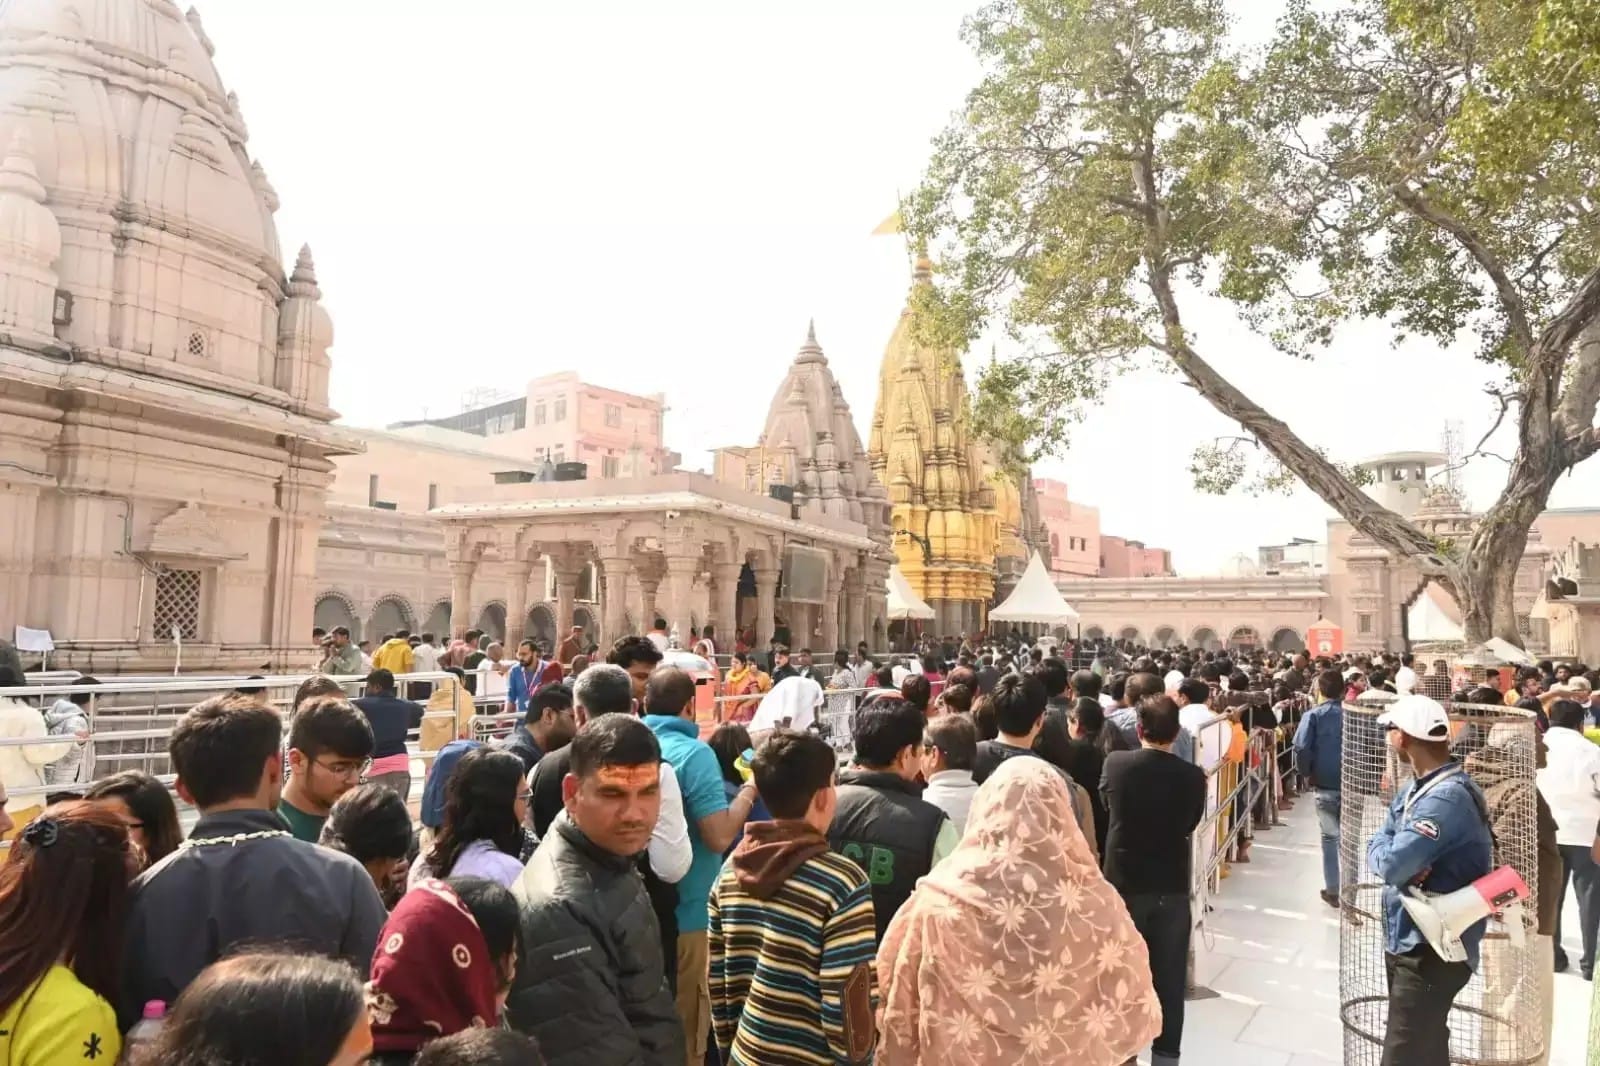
1594, 1027
1497, 1019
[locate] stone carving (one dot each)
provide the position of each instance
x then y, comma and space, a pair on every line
190, 532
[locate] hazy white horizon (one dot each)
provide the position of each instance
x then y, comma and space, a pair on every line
661, 200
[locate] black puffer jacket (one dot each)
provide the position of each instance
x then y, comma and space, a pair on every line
591, 985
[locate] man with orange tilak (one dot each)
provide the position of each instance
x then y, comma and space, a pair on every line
591, 987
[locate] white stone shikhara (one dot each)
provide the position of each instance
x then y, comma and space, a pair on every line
154, 355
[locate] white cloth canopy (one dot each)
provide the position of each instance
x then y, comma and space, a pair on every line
1035, 599
1427, 622
903, 603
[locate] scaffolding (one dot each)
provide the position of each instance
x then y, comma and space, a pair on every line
1499, 1018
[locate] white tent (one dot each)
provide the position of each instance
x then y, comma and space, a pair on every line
903, 603
1427, 622
1035, 599
1507, 652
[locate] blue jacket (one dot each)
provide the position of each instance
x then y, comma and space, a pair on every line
1443, 839
1319, 745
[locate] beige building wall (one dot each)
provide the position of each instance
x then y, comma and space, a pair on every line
1270, 612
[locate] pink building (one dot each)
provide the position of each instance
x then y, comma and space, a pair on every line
563, 419
1074, 530
1130, 558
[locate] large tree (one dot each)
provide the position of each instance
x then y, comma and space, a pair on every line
1427, 163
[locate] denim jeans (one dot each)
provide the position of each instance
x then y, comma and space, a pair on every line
1328, 825
1164, 922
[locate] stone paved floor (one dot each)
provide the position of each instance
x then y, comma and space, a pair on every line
1271, 953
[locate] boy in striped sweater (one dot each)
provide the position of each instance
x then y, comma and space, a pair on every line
792, 936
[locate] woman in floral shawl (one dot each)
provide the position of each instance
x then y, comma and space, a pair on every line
744, 679
1015, 949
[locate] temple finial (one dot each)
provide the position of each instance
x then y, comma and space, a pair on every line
811, 351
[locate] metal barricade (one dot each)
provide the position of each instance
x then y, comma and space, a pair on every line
131, 721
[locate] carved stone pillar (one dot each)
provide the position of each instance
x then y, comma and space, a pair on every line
855, 607
461, 574
517, 603
566, 595
766, 603
615, 608
725, 607
678, 582
830, 614
648, 586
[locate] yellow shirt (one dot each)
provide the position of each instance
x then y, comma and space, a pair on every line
59, 1022
395, 656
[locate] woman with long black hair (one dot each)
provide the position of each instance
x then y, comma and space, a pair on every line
147, 806
486, 802
63, 901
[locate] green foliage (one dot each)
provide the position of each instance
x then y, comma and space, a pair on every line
1423, 162
1227, 464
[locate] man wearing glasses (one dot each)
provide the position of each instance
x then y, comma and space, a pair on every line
330, 751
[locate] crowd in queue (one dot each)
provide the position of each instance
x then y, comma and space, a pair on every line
1001, 873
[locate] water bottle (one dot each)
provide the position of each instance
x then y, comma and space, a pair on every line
150, 1023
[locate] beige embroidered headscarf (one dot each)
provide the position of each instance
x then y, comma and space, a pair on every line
1015, 949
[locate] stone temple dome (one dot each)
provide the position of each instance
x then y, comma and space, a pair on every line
165, 436
811, 441
169, 261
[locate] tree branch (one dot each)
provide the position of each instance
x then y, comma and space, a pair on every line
1311, 466
1511, 301
1581, 311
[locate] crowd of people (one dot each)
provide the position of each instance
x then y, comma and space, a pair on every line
1001, 872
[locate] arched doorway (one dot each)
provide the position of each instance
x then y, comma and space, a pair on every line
1094, 633
389, 614
1205, 638
1129, 634
541, 626
582, 616
1165, 637
1244, 638
334, 609
1287, 640
492, 619
438, 622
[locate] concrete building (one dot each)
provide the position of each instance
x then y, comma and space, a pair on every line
1208, 612
1299, 556
165, 436
562, 418
420, 522
1120, 557
1072, 530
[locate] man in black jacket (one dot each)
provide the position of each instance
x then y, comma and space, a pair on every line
592, 985
881, 821
241, 878
1155, 800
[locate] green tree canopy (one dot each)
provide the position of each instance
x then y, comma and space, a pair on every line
1424, 163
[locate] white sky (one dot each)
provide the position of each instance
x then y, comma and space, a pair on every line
661, 195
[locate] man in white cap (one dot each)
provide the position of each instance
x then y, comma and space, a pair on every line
1436, 838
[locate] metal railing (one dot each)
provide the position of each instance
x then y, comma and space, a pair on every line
1238, 795
131, 719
